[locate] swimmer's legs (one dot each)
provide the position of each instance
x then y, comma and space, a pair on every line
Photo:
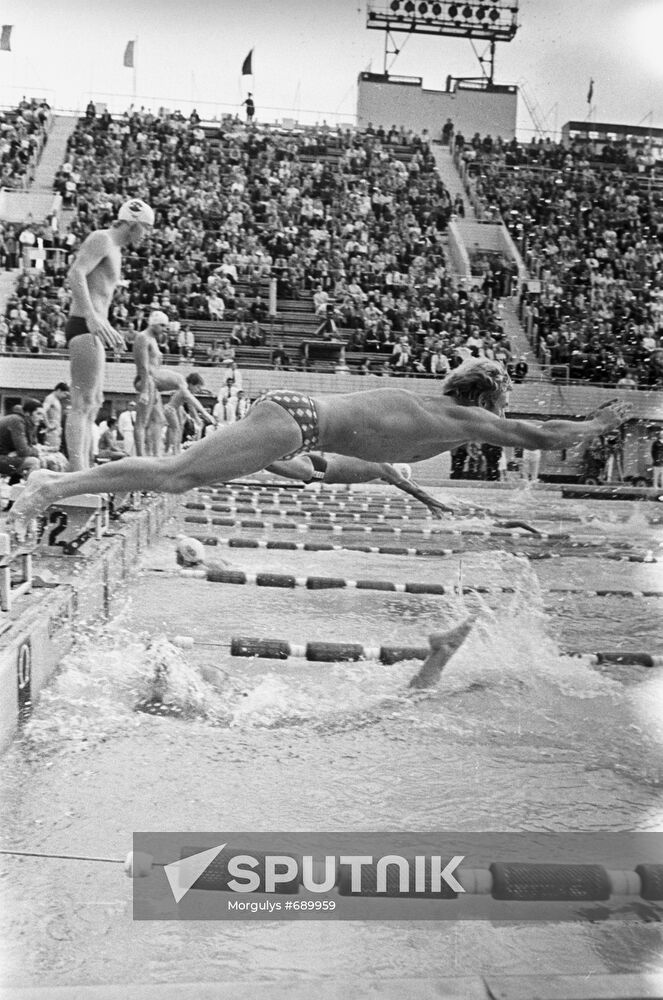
442, 648
247, 446
87, 362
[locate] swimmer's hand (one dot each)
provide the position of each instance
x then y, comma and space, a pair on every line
109, 337
438, 509
610, 415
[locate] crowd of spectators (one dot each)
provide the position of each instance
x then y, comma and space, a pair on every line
587, 218
355, 219
23, 134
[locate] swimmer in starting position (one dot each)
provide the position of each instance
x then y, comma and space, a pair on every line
378, 425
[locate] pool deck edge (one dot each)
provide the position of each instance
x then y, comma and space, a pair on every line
593, 986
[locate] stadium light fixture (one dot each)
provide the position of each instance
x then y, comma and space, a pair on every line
409, 7
423, 8
494, 15
467, 12
481, 13
395, 5
453, 11
437, 9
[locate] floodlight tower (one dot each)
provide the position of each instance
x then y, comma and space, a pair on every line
485, 20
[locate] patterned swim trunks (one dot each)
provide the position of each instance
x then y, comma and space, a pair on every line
302, 410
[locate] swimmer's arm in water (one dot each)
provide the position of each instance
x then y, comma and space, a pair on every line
93, 250
485, 427
389, 474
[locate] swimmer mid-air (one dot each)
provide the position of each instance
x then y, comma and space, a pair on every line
379, 425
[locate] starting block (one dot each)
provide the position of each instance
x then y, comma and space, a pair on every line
121, 503
67, 524
8, 561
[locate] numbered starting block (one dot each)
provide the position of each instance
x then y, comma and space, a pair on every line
10, 562
67, 524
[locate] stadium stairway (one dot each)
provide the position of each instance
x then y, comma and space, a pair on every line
518, 338
509, 315
54, 154
7, 283
451, 178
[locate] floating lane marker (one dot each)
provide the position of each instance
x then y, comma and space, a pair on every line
368, 529
307, 512
507, 881
339, 652
577, 549
216, 574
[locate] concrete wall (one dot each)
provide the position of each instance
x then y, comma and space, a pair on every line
392, 102
19, 375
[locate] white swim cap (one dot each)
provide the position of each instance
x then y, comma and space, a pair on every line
136, 210
157, 317
190, 551
404, 470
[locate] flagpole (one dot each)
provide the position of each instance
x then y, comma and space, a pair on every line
133, 68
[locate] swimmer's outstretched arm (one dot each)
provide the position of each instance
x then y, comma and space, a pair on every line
391, 475
482, 426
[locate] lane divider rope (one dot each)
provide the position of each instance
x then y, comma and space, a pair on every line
217, 574
398, 550
505, 881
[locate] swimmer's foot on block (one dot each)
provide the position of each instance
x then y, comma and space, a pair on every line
33, 498
443, 645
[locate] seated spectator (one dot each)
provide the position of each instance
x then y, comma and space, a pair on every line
255, 335
215, 306
19, 450
279, 358
109, 448
238, 334
186, 343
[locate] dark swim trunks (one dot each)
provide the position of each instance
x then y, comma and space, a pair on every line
302, 410
75, 326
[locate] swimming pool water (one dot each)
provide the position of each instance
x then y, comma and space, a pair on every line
515, 736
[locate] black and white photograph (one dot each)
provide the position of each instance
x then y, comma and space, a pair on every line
331, 500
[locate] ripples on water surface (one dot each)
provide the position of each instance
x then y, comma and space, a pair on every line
515, 736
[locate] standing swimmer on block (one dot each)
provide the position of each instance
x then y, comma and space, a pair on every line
379, 425
93, 278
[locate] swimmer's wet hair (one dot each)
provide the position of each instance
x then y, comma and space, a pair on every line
477, 382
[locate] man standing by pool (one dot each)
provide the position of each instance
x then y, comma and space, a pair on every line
93, 278
380, 425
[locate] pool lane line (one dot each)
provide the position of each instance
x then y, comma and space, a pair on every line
307, 512
401, 550
376, 528
387, 654
511, 881
217, 574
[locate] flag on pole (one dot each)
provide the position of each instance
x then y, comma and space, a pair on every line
6, 37
129, 54
247, 65
590, 92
